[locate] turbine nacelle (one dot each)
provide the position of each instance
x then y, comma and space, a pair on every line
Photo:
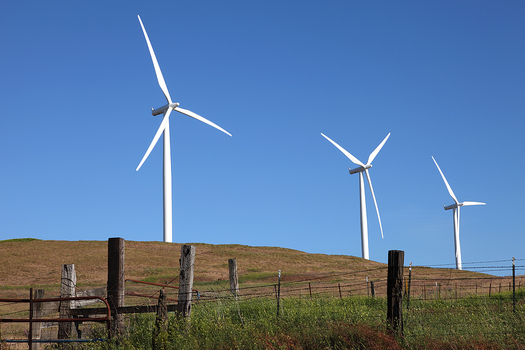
360, 169
453, 206
163, 109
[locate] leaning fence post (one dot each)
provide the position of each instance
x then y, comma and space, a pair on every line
68, 283
187, 266
234, 279
116, 278
161, 325
395, 290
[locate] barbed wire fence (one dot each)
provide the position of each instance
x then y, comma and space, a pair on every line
490, 292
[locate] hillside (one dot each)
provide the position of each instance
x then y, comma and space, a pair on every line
37, 263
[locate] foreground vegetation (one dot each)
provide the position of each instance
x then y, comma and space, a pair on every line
350, 322
330, 323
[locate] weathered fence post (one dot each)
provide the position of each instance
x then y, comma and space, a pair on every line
234, 279
30, 333
68, 283
37, 313
187, 265
340, 294
395, 290
161, 325
116, 278
372, 289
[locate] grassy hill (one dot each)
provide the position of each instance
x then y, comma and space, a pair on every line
37, 263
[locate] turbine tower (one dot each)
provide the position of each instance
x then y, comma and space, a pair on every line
165, 129
455, 213
363, 168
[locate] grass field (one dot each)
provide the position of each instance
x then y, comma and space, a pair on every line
333, 323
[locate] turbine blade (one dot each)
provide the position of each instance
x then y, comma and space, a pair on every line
375, 202
473, 203
160, 78
346, 153
202, 119
446, 183
376, 151
156, 138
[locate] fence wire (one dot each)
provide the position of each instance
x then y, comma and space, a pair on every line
440, 305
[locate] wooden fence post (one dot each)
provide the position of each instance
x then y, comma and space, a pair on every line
395, 290
279, 294
161, 323
409, 281
68, 283
372, 289
513, 285
187, 265
37, 313
116, 278
234, 279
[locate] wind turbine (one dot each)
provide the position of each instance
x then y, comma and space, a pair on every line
165, 128
455, 212
363, 168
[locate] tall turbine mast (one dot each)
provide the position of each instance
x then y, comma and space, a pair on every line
363, 168
164, 128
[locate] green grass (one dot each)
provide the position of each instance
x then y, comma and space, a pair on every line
20, 240
332, 323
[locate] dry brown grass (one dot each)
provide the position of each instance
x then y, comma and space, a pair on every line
37, 263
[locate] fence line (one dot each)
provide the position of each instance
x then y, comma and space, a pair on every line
334, 285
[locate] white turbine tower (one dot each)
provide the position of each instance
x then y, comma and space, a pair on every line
455, 208
165, 128
363, 167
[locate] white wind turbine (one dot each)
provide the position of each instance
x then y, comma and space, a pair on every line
456, 207
363, 167
165, 128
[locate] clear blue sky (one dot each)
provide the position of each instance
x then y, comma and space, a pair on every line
446, 78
